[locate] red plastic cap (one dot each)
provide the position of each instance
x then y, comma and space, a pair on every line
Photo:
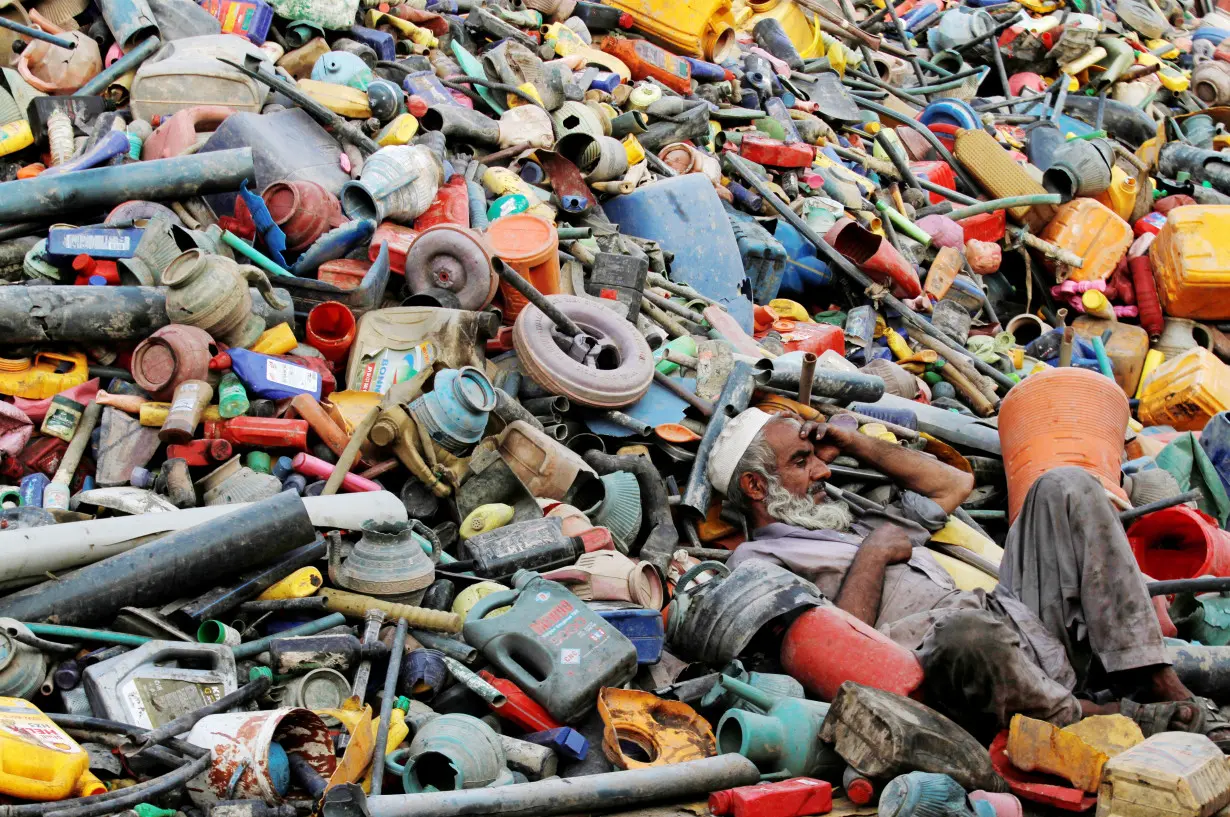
860, 791
416, 105
720, 802
625, 20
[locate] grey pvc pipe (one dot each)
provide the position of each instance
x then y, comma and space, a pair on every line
184, 560
120, 67
544, 798
251, 648
157, 180
844, 387
1005, 204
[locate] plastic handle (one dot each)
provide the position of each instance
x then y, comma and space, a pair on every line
257, 278
488, 603
390, 761
696, 571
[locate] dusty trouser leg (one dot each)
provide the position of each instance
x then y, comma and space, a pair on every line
977, 674
1068, 559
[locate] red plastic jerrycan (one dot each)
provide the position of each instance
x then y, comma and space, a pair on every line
937, 173
826, 646
799, 797
765, 151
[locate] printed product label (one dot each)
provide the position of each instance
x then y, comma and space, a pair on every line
295, 377
39, 732
156, 701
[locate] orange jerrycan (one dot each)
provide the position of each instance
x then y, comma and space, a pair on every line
697, 28
1191, 262
1185, 391
1091, 230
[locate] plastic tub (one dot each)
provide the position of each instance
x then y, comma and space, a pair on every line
530, 245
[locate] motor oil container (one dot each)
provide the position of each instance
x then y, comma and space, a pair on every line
535, 544
1126, 347
1177, 774
1121, 195
157, 682
390, 344
551, 644
647, 61
273, 378
46, 376
242, 17
1185, 391
1191, 262
38, 761
1091, 230
698, 28
186, 73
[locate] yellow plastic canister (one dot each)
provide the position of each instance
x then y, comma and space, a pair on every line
1121, 195
695, 28
1191, 262
1186, 391
38, 761
1092, 231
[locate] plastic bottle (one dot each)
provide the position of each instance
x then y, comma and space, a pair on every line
647, 61
273, 378
260, 432
232, 396
32, 487
38, 761
790, 798
187, 405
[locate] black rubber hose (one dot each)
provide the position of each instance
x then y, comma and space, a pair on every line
663, 537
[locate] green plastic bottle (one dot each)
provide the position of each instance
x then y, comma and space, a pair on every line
232, 396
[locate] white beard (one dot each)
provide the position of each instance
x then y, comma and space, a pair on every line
804, 511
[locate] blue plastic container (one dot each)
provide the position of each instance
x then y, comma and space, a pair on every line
804, 271
764, 257
643, 628
32, 486
1215, 440
425, 84
381, 42
273, 378
685, 216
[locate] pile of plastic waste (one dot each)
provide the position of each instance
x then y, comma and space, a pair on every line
362, 364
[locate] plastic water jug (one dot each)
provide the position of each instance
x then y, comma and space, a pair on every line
551, 644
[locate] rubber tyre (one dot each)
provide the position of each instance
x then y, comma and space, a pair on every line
550, 367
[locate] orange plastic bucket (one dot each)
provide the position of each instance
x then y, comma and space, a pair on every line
1180, 543
530, 245
1062, 417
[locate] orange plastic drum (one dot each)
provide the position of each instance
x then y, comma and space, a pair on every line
530, 245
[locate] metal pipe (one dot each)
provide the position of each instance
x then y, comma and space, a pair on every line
224, 598
386, 704
168, 566
807, 371
676, 388
546, 798
518, 282
836, 259
120, 67
99, 188
735, 397
39, 34
371, 635
451, 647
623, 420
251, 648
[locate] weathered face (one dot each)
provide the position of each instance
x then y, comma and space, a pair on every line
801, 466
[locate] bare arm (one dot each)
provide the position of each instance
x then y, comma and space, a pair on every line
910, 469
863, 586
